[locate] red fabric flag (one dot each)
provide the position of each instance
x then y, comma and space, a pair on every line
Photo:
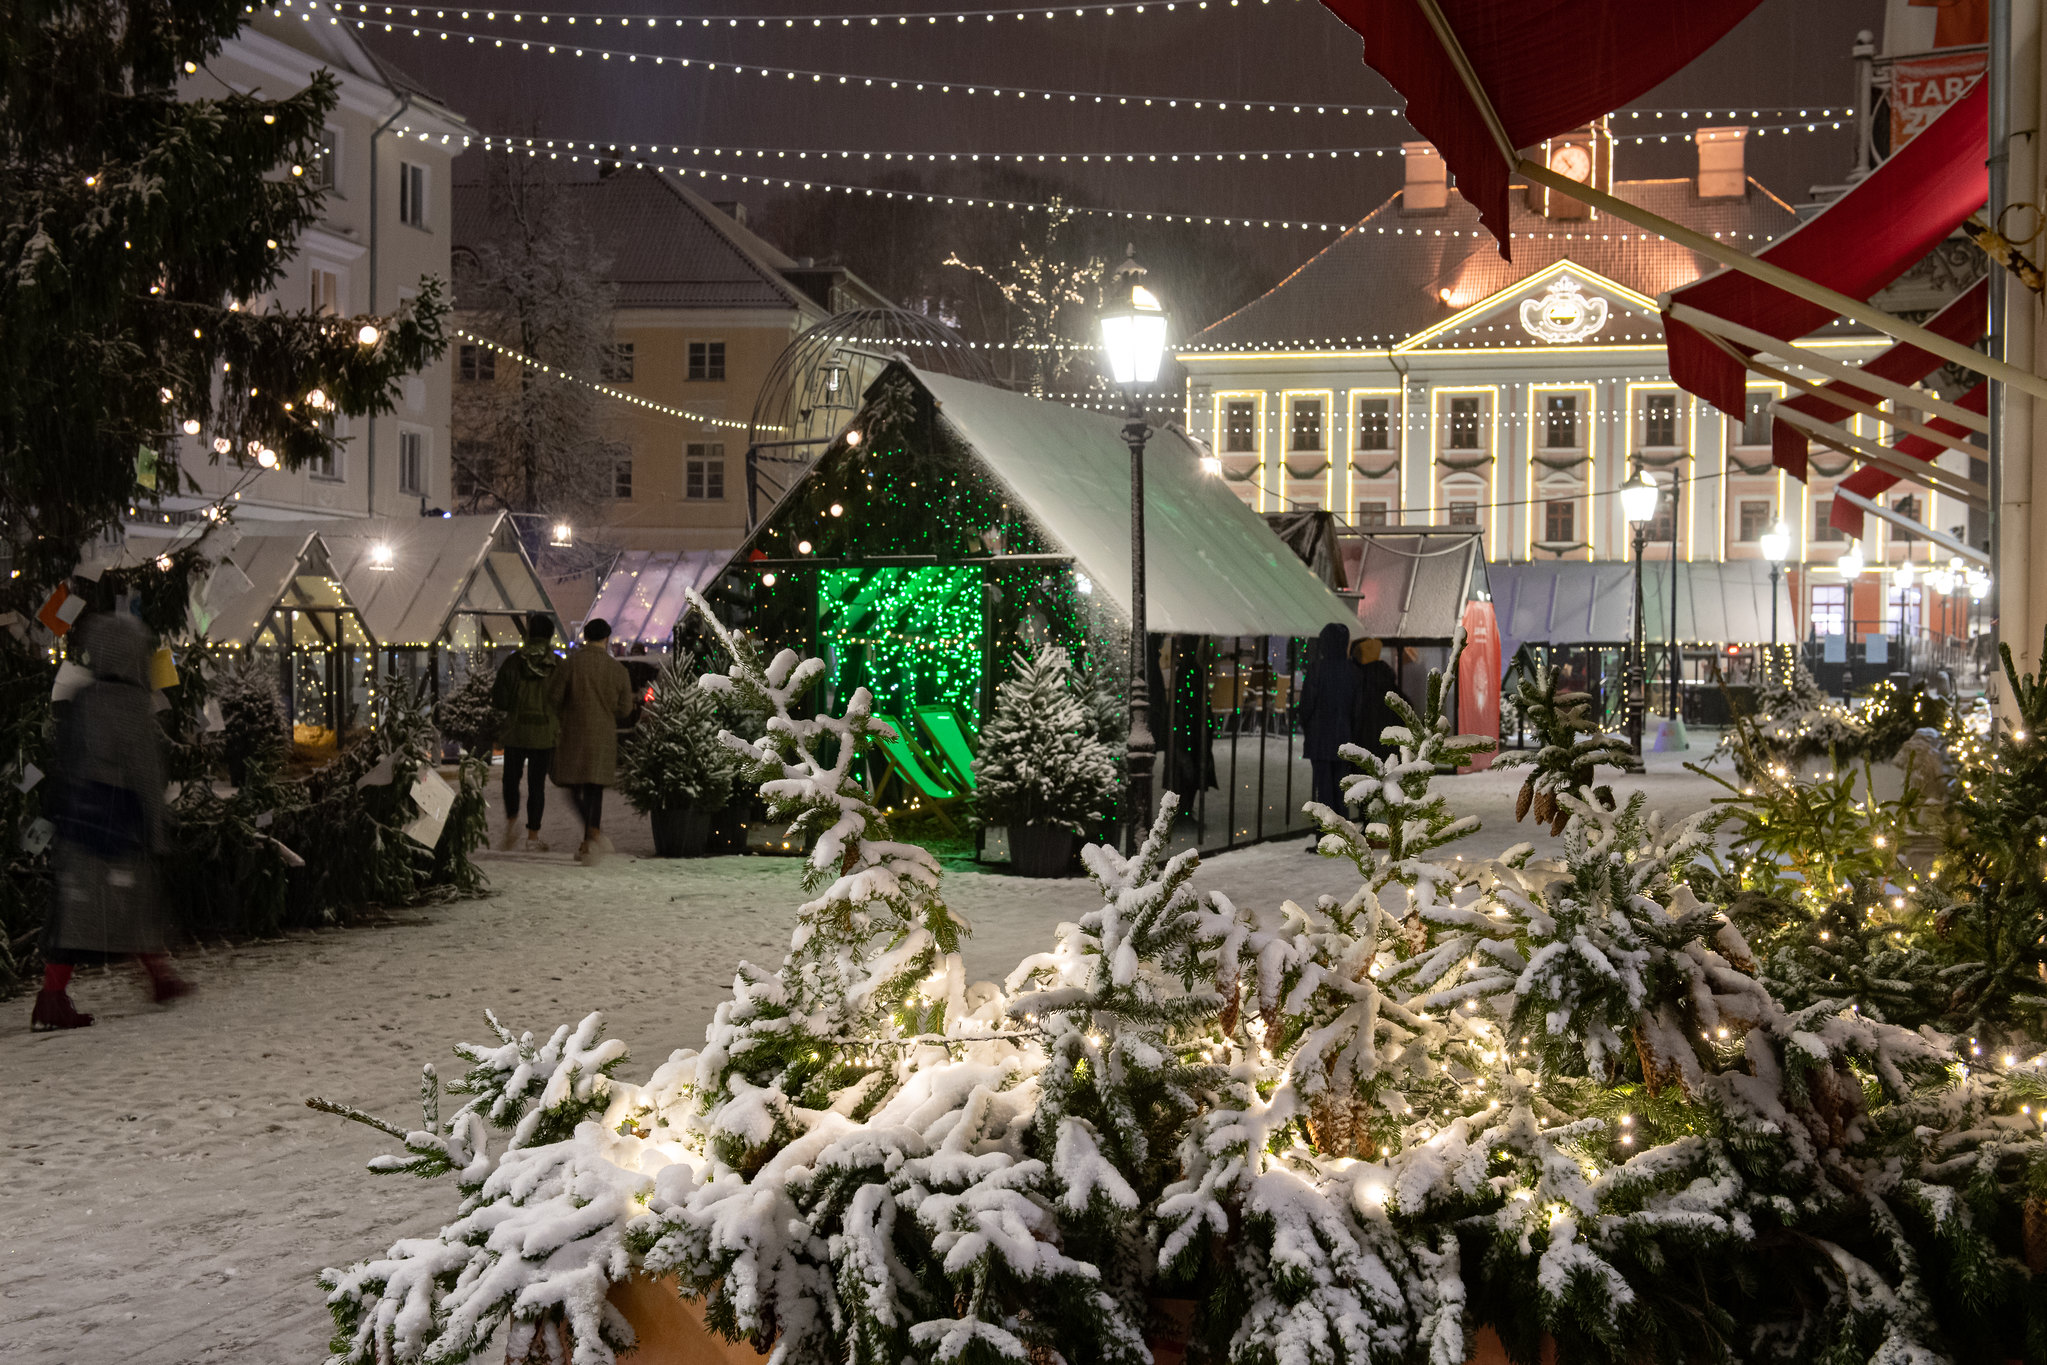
1869, 481
1962, 320
1855, 246
1617, 49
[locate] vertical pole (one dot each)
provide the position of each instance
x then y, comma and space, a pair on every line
1999, 78
1140, 748
1774, 571
1636, 677
1677, 658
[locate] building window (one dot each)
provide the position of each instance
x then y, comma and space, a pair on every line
622, 477
1823, 527
476, 364
411, 194
1830, 609
326, 167
707, 360
1240, 428
471, 457
704, 473
1755, 423
1306, 433
617, 365
1560, 421
1375, 424
1371, 514
1901, 611
1464, 415
1906, 505
1663, 526
1464, 514
1659, 420
412, 462
324, 297
327, 464
1560, 523
1755, 520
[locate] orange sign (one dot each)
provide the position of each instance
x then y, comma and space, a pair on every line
1923, 87
1478, 678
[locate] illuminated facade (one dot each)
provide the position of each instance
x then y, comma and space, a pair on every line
1408, 375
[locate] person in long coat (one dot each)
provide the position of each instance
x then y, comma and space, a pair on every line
1329, 711
109, 813
1376, 679
593, 695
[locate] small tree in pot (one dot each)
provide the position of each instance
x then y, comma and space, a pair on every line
675, 770
1042, 770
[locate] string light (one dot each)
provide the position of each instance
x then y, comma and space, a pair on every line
607, 390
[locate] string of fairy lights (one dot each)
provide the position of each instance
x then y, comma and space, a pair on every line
556, 372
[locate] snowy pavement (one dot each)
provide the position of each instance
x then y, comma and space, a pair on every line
167, 1196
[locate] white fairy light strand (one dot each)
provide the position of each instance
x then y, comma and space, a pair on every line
555, 371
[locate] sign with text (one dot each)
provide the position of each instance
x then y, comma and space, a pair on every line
1923, 87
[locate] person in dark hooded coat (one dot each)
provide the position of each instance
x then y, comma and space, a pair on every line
1329, 711
1376, 680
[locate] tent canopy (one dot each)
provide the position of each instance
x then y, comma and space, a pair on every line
1572, 602
442, 568
1212, 566
1411, 585
255, 576
647, 591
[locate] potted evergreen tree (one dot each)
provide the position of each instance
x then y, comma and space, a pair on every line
1043, 771
675, 769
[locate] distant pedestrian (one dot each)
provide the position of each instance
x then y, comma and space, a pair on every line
1376, 680
531, 728
592, 694
109, 790
1329, 712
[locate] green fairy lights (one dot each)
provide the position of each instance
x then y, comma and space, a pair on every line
910, 636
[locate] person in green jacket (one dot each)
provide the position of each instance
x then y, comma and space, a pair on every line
531, 727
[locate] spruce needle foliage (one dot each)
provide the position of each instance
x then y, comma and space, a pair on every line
1042, 761
1570, 746
675, 759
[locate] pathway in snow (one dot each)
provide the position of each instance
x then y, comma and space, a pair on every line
169, 1197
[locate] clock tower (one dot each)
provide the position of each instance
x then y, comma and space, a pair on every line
1583, 154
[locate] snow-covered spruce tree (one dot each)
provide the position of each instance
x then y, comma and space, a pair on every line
1040, 761
1570, 746
255, 731
675, 759
139, 228
467, 715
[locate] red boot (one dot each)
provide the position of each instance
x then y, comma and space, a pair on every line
165, 984
54, 1010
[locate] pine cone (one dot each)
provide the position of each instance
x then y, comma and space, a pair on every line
1545, 807
1527, 797
1556, 826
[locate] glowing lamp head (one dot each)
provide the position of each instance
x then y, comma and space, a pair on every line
1905, 574
317, 398
367, 334
1212, 466
191, 425
222, 445
768, 579
838, 509
1638, 500
803, 547
267, 458
382, 557
564, 536
1133, 326
852, 440
1777, 543
1852, 562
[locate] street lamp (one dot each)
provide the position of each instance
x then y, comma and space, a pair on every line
1638, 504
1134, 342
1776, 548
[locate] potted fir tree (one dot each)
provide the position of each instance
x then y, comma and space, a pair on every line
675, 770
1043, 772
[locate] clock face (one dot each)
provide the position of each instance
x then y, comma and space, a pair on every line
1571, 160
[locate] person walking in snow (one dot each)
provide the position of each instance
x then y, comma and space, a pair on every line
1376, 680
110, 824
592, 695
531, 728
1330, 712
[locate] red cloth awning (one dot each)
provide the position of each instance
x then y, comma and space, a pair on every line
1548, 66
1962, 320
1855, 246
1869, 481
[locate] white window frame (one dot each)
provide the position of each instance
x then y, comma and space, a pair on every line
421, 481
415, 194
330, 161
706, 453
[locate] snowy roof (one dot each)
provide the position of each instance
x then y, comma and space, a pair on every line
1212, 567
1576, 603
645, 593
1412, 585
442, 567
225, 611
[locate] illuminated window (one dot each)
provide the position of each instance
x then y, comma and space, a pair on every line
1560, 421
1464, 419
707, 360
1755, 423
1755, 519
1375, 424
1659, 419
1559, 523
1240, 428
1306, 430
1830, 609
1371, 514
703, 473
1464, 514
1823, 527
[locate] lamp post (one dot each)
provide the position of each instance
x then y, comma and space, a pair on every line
1776, 548
1638, 504
1134, 342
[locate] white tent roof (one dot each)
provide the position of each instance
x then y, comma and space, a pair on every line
226, 612
442, 567
646, 591
1212, 567
1578, 603
1412, 585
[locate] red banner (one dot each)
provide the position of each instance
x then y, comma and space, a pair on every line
1923, 87
1478, 679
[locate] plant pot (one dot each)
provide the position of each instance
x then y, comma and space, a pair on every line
1040, 850
680, 832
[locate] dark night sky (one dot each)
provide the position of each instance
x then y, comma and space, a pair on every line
1789, 53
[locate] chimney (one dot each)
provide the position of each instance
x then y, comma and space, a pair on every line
732, 209
1721, 172
1427, 187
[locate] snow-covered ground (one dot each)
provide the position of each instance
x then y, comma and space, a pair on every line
166, 1196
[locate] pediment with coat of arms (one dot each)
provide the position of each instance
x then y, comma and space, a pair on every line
1561, 305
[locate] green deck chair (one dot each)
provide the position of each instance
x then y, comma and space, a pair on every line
949, 739
917, 771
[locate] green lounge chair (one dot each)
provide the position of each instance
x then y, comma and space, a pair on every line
917, 771
949, 740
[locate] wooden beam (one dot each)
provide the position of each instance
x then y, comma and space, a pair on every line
1926, 475
1724, 331
1473, 87
1798, 285
1779, 408
1917, 528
